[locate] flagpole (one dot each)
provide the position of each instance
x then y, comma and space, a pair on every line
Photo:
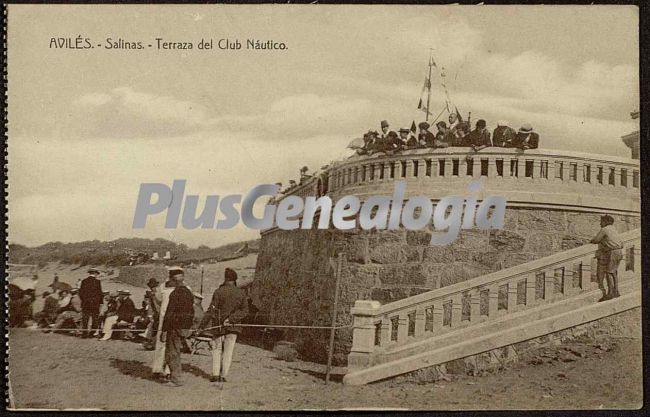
429, 89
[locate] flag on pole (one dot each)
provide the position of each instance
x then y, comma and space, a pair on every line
427, 83
413, 127
460, 118
432, 63
420, 104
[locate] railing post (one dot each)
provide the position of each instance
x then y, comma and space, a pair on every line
537, 170
435, 169
506, 167
530, 289
493, 303
567, 288
512, 296
364, 315
549, 284
402, 328
475, 305
492, 167
566, 166
387, 171
419, 321
456, 309
409, 168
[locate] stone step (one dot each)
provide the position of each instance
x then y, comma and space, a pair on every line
510, 329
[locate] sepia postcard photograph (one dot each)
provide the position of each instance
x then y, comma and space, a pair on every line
323, 207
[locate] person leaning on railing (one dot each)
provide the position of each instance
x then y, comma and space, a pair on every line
526, 138
503, 136
478, 138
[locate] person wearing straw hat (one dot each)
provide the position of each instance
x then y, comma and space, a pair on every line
228, 306
91, 295
526, 137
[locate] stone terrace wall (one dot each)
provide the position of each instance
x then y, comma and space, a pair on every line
294, 284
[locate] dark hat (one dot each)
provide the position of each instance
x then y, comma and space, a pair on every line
424, 125
392, 134
230, 275
384, 123
607, 219
46, 293
152, 282
481, 123
441, 124
175, 270
404, 130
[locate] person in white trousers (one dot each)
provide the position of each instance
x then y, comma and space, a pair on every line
227, 308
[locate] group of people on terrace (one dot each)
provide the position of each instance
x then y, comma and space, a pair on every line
457, 133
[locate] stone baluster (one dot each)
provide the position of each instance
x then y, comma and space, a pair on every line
549, 284
506, 167
409, 168
566, 169
456, 309
493, 301
630, 177
435, 171
476, 169
530, 289
419, 321
567, 283
387, 171
492, 167
537, 170
437, 317
580, 168
449, 167
475, 305
402, 328
378, 168
512, 296
462, 166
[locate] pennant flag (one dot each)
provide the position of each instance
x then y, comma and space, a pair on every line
413, 127
427, 84
420, 104
460, 118
432, 63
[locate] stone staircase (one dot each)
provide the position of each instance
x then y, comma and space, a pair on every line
510, 306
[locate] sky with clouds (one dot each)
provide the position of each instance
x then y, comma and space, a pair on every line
87, 127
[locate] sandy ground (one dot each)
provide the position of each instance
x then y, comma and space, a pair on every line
59, 371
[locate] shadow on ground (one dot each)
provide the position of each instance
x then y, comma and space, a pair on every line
141, 370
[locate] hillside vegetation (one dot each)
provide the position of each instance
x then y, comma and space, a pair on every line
122, 252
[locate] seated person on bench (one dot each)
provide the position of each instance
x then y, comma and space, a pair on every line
125, 314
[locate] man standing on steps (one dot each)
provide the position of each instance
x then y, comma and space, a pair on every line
91, 295
609, 255
176, 326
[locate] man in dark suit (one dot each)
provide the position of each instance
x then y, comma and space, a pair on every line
91, 295
228, 307
176, 326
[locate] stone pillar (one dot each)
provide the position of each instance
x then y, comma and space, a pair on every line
434, 167
521, 168
462, 167
476, 169
387, 171
363, 333
377, 169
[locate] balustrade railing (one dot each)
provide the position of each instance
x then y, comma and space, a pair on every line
381, 328
536, 164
